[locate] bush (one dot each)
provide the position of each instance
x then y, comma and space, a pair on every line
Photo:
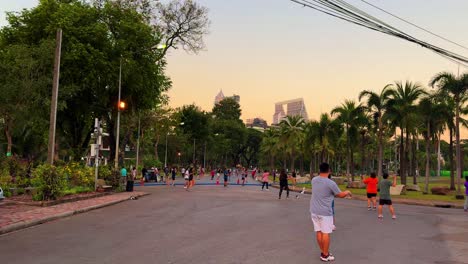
5, 183
49, 181
78, 174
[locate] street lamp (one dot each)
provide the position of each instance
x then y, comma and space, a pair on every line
122, 105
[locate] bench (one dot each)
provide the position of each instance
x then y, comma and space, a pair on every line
102, 185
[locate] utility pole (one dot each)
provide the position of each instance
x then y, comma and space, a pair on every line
53, 104
116, 161
97, 134
138, 144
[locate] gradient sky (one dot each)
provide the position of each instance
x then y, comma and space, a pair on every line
274, 50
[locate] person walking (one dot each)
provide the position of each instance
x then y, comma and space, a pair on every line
384, 197
173, 174
212, 174
187, 179
283, 179
294, 175
265, 176
274, 176
465, 207
371, 186
324, 191
123, 176
226, 177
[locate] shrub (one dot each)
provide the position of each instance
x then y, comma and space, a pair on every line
5, 183
49, 181
79, 175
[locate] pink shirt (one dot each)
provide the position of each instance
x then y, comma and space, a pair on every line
265, 176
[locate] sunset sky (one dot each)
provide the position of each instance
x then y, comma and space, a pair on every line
274, 50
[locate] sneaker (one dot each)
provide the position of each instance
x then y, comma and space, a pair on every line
380, 216
324, 258
368, 208
297, 196
279, 198
303, 190
393, 217
185, 187
375, 208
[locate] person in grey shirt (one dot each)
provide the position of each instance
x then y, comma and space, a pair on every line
324, 191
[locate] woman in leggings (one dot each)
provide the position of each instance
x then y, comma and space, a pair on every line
283, 178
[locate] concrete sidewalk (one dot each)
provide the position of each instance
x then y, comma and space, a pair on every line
12, 218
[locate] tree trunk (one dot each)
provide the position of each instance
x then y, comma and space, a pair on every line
407, 161
402, 158
452, 167
428, 159
311, 173
8, 136
438, 155
156, 155
293, 159
301, 166
348, 153
380, 143
414, 160
457, 138
363, 153
352, 163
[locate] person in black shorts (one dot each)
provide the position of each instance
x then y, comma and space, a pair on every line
226, 177
173, 174
190, 178
283, 178
385, 199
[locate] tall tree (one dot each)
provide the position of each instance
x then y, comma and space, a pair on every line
376, 104
401, 111
349, 115
227, 109
291, 129
457, 87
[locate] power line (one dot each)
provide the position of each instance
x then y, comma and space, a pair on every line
347, 12
414, 25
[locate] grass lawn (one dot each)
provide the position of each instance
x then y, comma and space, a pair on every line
442, 181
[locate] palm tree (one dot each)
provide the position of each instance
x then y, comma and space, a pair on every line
376, 104
401, 107
349, 115
310, 147
291, 132
327, 133
457, 87
269, 145
431, 115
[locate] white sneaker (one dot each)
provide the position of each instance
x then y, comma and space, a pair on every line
303, 190
393, 217
330, 257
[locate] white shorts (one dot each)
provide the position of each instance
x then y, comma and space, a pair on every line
322, 223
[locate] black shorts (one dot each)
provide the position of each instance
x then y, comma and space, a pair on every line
173, 177
385, 202
225, 178
190, 178
370, 195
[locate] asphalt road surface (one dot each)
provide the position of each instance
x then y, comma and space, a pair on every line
212, 224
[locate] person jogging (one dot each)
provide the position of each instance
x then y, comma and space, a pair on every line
283, 179
265, 179
226, 177
324, 191
384, 197
173, 175
371, 188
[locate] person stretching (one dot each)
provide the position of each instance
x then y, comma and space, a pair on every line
283, 178
371, 184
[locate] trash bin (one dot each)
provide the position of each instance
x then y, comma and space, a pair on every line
129, 187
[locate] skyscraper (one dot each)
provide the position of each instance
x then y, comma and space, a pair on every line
219, 97
294, 107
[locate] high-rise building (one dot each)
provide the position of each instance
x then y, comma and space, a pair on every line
219, 97
256, 122
294, 107
236, 98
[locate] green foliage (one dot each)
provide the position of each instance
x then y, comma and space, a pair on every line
227, 109
77, 190
50, 182
78, 174
5, 183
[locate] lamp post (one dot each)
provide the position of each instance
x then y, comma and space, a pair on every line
116, 160
120, 106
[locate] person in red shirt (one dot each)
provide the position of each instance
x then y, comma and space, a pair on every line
371, 183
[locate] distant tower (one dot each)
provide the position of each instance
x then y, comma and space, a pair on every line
295, 107
219, 97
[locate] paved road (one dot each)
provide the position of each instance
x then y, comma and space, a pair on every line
212, 224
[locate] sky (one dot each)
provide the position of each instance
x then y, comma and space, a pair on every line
268, 51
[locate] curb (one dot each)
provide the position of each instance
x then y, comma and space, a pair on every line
395, 200
26, 224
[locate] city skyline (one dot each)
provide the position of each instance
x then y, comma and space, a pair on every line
292, 52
